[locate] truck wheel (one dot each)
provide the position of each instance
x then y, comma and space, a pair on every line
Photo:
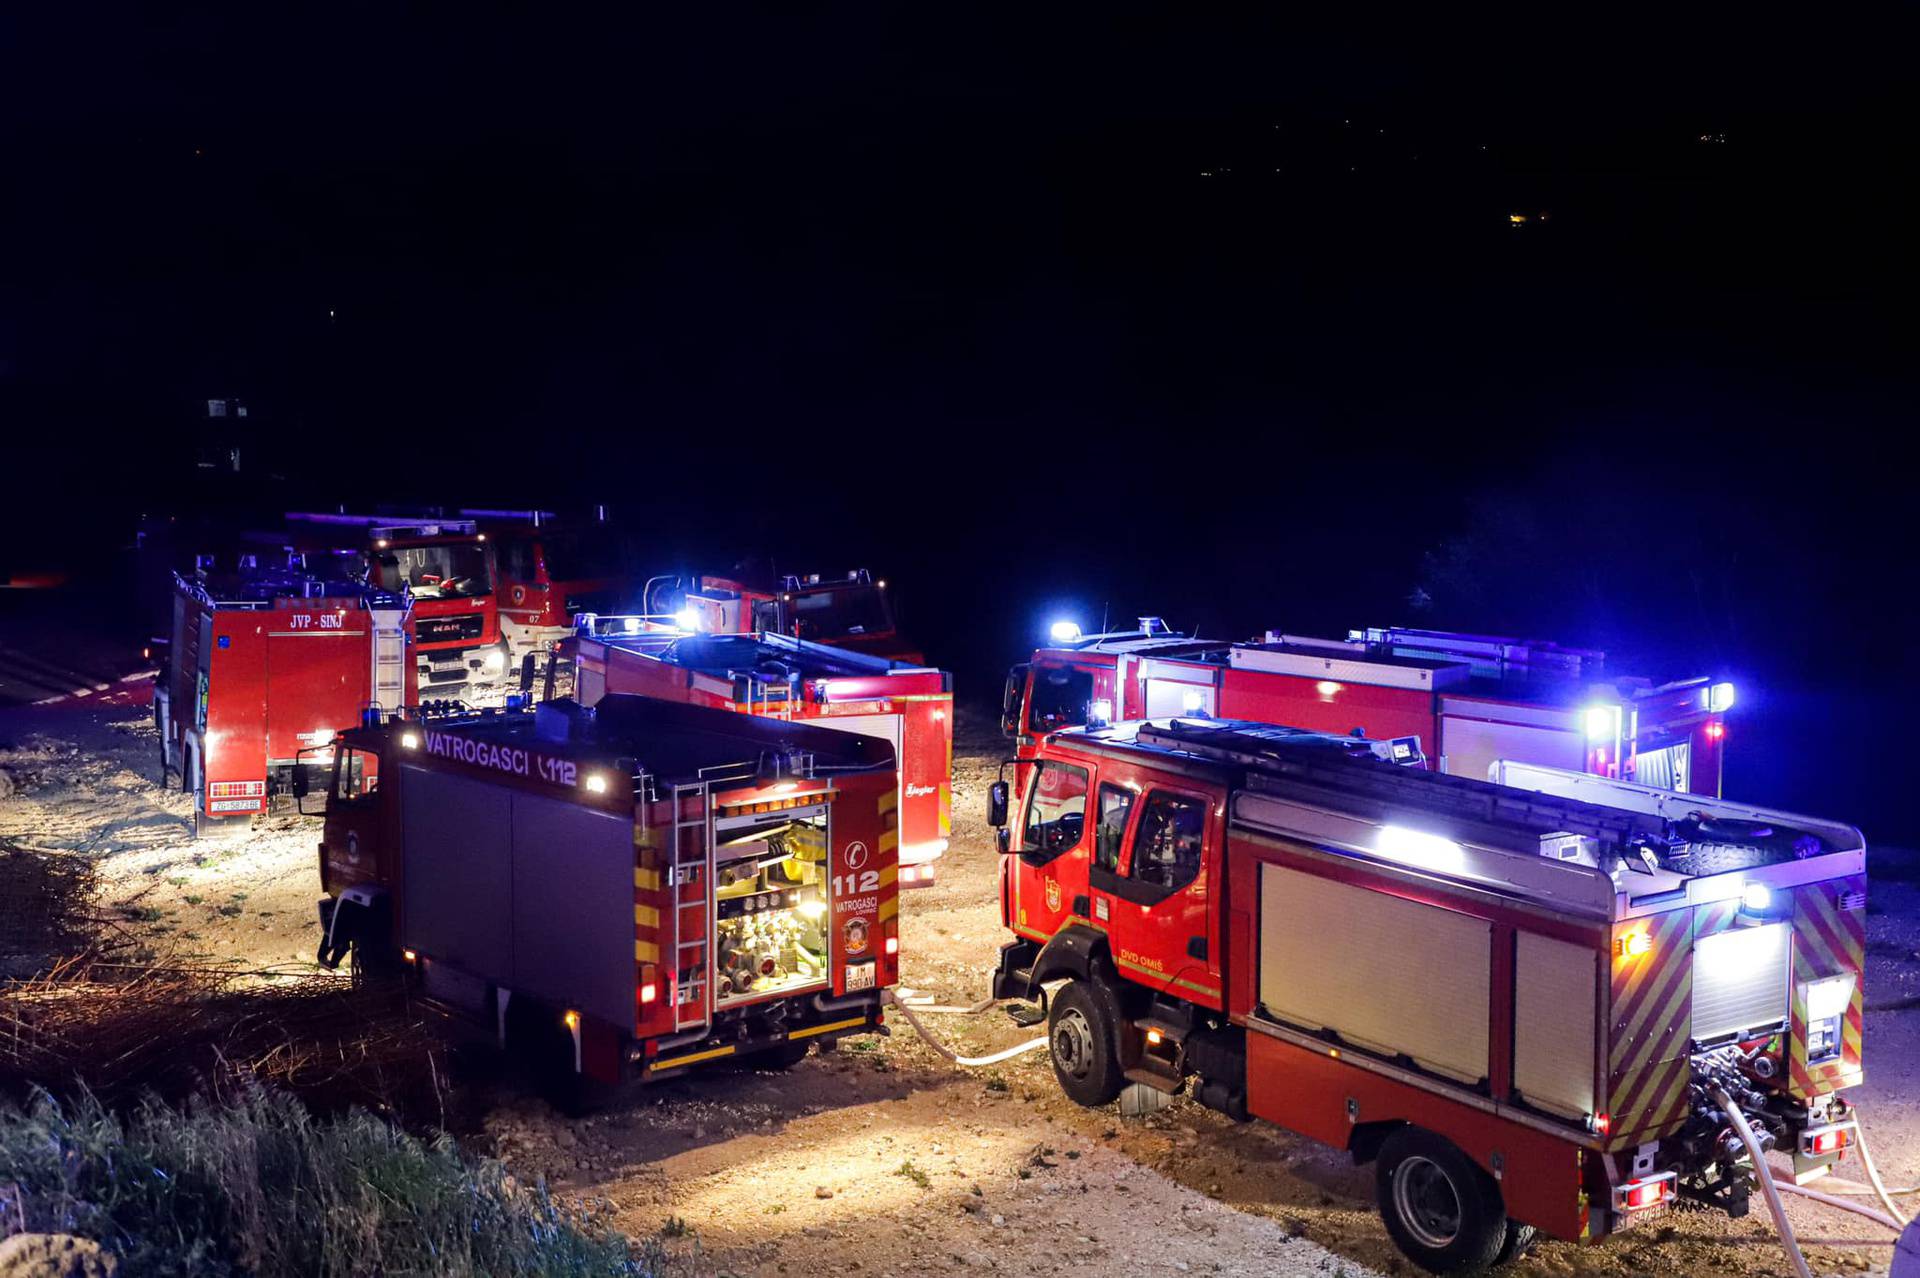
374, 965
1518, 1241
1442, 1210
1080, 1038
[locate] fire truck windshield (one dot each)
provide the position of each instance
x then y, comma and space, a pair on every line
1059, 699
841, 612
455, 570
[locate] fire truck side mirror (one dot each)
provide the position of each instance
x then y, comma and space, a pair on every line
300, 785
997, 804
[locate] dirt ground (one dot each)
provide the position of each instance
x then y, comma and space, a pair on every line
882, 1159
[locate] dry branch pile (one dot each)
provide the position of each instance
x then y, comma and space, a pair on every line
46, 908
120, 1031
123, 1033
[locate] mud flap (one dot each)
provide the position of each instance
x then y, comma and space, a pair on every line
358, 914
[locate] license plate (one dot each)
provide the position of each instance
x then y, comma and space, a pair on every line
441, 667
241, 805
860, 976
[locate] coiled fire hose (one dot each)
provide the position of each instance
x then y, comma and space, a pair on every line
969, 1062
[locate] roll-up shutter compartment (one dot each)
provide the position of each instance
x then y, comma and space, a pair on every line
1556, 1023
1388, 975
1740, 980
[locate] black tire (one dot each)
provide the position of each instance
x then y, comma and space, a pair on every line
1441, 1209
1081, 1039
1517, 1242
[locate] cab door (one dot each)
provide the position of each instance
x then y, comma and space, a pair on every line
1158, 895
351, 848
1050, 849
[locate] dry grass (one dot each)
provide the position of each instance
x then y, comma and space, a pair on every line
259, 1186
121, 1033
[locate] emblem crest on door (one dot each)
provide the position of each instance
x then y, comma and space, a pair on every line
1053, 894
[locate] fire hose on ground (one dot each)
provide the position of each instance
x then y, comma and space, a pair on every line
1771, 1189
969, 1062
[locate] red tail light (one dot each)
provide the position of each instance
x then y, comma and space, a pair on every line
1825, 1140
1649, 1191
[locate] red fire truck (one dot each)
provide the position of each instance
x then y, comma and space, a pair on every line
625, 891
845, 612
262, 668
785, 678
1470, 699
1530, 1003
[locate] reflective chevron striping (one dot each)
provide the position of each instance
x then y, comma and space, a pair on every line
1829, 939
1650, 1015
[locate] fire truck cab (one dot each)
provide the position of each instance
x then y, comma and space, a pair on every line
845, 612
625, 891
1148, 672
547, 573
1471, 699
449, 573
1520, 1000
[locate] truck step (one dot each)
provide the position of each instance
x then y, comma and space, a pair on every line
1026, 1015
1149, 1073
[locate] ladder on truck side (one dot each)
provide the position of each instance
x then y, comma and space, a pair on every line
690, 875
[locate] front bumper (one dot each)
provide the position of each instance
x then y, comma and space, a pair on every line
448, 667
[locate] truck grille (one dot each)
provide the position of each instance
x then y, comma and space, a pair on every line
450, 629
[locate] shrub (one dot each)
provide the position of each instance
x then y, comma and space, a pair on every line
261, 1186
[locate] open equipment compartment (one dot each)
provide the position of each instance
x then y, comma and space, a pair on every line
770, 904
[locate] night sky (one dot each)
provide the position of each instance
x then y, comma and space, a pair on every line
1030, 312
